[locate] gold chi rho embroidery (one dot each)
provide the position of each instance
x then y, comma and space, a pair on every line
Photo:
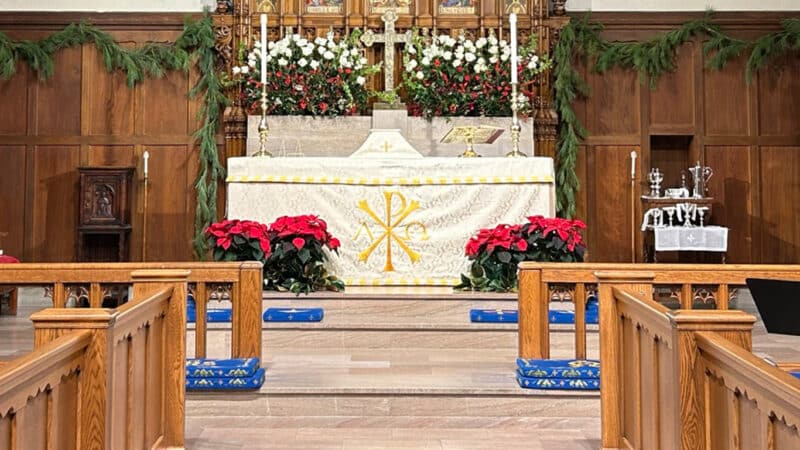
394, 220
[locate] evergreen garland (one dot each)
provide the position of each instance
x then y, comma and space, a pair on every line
651, 59
151, 60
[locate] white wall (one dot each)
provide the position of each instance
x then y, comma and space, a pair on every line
683, 5
106, 5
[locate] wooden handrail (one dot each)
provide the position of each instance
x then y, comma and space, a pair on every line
540, 282
28, 375
776, 392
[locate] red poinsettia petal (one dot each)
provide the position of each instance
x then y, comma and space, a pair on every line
299, 242
333, 243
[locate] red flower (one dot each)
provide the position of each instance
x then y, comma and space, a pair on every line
323, 106
299, 242
333, 243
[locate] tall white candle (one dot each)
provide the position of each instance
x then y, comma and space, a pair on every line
263, 48
512, 20
146, 158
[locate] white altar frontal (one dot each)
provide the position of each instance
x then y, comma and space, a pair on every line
401, 221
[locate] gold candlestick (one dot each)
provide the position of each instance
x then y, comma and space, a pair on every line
516, 129
263, 129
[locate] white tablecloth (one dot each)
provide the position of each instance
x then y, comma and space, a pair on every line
708, 239
433, 206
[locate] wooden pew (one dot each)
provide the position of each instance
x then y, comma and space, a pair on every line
240, 282
689, 285
684, 379
102, 378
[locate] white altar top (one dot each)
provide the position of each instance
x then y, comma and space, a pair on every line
400, 221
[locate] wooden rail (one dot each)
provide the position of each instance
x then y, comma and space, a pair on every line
102, 378
684, 286
685, 379
72, 284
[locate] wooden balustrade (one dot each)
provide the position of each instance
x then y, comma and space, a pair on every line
685, 379
92, 283
685, 285
102, 378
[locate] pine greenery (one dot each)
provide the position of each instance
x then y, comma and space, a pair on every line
581, 38
151, 60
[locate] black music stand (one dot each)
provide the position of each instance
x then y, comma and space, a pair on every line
778, 302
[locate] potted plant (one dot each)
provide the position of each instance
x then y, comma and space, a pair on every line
238, 240
496, 252
297, 262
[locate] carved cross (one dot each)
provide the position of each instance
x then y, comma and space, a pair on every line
389, 38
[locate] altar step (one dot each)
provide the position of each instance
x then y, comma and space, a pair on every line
401, 320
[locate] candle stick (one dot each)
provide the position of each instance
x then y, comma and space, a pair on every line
263, 49
512, 20
146, 158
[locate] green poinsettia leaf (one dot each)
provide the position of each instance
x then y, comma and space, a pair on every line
504, 257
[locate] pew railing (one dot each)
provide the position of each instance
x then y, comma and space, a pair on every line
240, 283
684, 379
102, 378
685, 286
39, 394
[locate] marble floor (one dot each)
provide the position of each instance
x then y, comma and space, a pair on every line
326, 398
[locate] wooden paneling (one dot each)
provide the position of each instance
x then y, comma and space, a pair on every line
58, 101
672, 102
779, 91
726, 100
84, 116
778, 224
732, 191
54, 208
14, 91
608, 193
109, 101
12, 199
614, 106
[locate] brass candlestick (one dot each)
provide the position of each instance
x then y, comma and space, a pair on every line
516, 129
263, 129
470, 151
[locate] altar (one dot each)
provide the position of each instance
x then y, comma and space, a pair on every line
400, 221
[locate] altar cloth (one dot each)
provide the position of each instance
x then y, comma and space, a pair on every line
400, 221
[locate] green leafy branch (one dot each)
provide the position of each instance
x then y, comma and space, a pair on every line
651, 59
151, 60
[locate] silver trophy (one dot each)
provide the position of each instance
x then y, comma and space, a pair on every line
655, 177
700, 176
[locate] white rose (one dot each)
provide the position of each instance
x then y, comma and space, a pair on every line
469, 57
236, 70
287, 53
494, 50
252, 63
282, 62
321, 49
302, 62
314, 64
412, 64
419, 75
426, 61
503, 43
308, 50
447, 55
327, 55
493, 59
257, 44
331, 44
504, 57
456, 63
295, 37
361, 80
245, 69
480, 42
535, 59
270, 45
492, 40
302, 42
320, 41
362, 61
411, 50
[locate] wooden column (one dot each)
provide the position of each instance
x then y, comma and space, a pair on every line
534, 327
734, 325
610, 348
246, 320
147, 282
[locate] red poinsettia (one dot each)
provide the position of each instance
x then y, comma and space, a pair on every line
567, 231
503, 236
296, 263
239, 240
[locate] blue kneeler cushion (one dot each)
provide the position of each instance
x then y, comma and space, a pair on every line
293, 315
558, 374
494, 315
796, 374
512, 315
212, 314
223, 374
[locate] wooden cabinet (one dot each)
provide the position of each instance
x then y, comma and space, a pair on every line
104, 212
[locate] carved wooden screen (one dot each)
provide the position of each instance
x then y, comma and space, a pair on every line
237, 22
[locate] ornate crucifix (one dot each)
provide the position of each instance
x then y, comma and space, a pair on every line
389, 38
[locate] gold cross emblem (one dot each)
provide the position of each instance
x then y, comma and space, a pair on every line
393, 221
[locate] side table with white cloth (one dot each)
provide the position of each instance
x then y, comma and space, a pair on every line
400, 221
693, 239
